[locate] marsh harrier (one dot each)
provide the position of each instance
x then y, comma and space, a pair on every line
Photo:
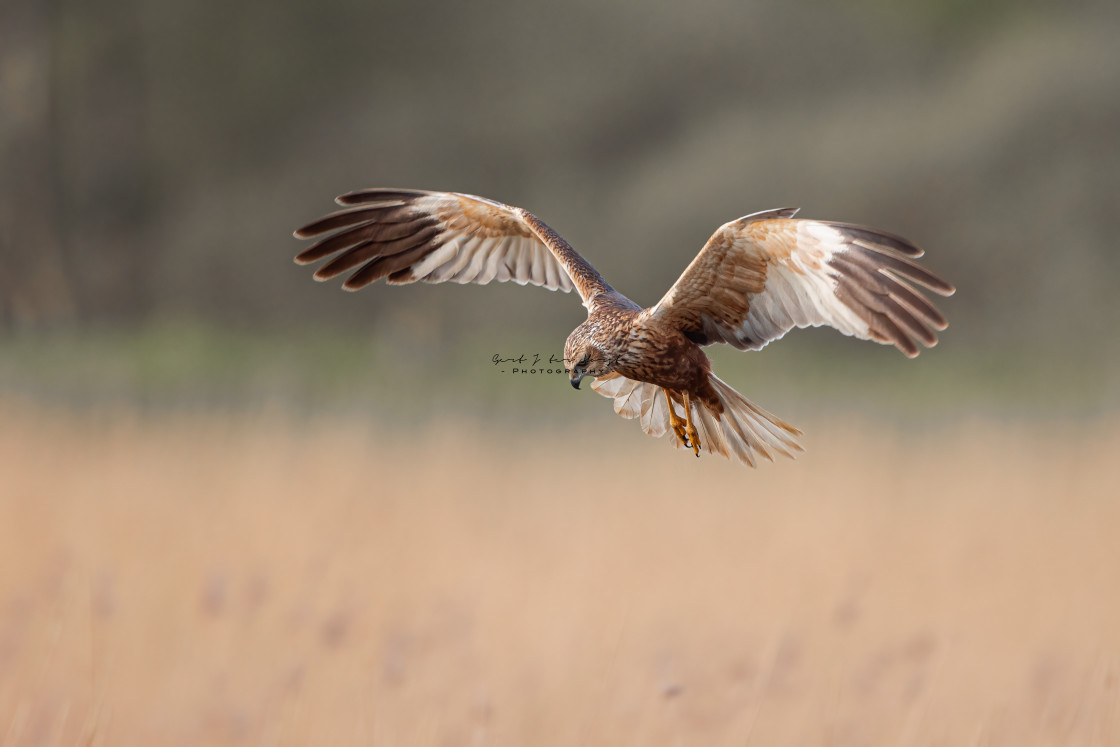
755, 279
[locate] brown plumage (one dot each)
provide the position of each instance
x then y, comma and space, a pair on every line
755, 279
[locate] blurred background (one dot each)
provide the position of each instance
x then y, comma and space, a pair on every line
217, 473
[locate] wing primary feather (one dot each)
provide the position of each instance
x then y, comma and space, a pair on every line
388, 212
378, 194
364, 252
386, 265
877, 258
910, 324
863, 235
914, 301
369, 231
372, 250
886, 284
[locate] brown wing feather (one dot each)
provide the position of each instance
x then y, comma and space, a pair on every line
410, 235
762, 275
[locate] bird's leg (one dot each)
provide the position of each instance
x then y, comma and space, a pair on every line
678, 425
693, 436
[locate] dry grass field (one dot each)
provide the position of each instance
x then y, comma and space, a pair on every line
269, 580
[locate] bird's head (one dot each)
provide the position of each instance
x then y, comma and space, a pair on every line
582, 357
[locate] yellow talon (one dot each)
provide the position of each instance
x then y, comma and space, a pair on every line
691, 429
680, 428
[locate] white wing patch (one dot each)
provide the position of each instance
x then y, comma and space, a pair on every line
801, 292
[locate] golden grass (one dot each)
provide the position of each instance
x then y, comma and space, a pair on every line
206, 579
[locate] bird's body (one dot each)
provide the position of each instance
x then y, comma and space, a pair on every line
644, 348
755, 279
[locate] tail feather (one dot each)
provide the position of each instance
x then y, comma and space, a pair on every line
742, 432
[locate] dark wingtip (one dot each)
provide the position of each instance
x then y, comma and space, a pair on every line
936, 284
379, 194
355, 282
318, 227
858, 233
350, 198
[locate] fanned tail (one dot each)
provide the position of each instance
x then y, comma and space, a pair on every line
743, 431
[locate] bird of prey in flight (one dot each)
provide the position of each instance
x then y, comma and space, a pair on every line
755, 279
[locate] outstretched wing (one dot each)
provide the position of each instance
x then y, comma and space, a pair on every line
409, 235
762, 275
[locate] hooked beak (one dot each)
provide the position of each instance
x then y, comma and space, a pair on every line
577, 376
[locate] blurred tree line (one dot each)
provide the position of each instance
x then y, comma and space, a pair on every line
156, 155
